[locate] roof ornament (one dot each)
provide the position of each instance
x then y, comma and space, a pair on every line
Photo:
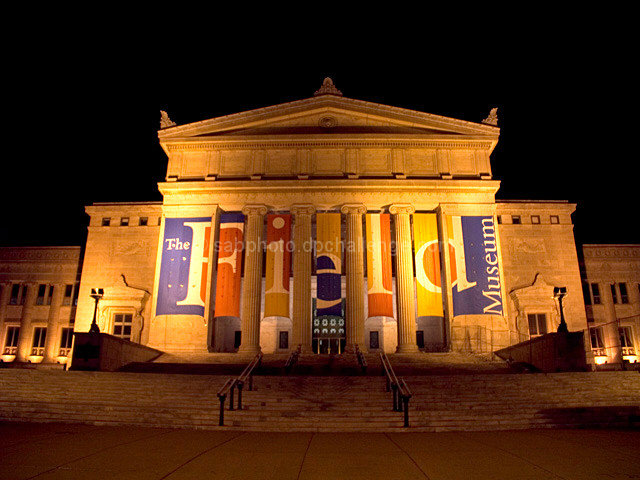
492, 119
165, 121
328, 88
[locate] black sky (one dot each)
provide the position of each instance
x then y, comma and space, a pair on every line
81, 123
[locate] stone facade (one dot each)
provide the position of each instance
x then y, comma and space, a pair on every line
325, 154
611, 280
39, 292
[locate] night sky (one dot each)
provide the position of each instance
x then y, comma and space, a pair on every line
83, 127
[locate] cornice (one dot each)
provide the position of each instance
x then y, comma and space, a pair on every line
341, 185
320, 141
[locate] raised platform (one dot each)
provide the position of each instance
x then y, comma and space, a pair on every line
321, 365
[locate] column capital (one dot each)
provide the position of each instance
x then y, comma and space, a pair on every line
254, 209
400, 208
353, 209
303, 209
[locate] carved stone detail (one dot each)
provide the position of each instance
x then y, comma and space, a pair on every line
165, 121
353, 209
302, 209
492, 119
254, 210
328, 88
398, 208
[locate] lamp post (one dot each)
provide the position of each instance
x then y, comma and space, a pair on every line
559, 293
96, 294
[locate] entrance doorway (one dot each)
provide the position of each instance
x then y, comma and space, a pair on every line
328, 345
328, 335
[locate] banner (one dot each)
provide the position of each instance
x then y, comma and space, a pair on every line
184, 266
427, 257
328, 264
229, 276
278, 266
475, 272
379, 288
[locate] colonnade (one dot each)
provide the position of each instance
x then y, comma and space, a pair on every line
302, 261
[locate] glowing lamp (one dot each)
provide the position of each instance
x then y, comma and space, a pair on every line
601, 359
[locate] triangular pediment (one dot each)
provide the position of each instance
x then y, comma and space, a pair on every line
328, 115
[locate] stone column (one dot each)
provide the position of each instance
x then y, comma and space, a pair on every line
610, 329
445, 275
354, 261
24, 341
252, 281
53, 339
302, 249
405, 295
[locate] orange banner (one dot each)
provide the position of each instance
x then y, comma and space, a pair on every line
278, 267
229, 276
380, 295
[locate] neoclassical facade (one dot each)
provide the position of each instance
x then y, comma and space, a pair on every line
331, 224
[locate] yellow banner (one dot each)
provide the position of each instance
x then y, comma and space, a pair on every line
425, 241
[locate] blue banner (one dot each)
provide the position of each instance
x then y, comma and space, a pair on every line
184, 266
477, 286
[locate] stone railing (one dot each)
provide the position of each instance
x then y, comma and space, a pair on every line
103, 352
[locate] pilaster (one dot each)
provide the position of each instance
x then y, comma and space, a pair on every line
610, 330
5, 293
53, 340
24, 341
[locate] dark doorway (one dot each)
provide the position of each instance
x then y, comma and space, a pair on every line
283, 340
420, 338
237, 338
374, 339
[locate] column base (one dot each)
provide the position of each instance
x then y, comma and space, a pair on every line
306, 349
249, 350
351, 348
408, 348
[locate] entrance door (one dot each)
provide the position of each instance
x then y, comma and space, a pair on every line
328, 346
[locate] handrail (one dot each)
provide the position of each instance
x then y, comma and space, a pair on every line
362, 361
399, 388
232, 383
292, 361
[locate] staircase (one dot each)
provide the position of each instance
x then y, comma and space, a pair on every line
324, 402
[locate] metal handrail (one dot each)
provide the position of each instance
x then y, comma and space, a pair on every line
232, 383
399, 388
292, 361
362, 361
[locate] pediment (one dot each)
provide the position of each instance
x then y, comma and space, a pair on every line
328, 115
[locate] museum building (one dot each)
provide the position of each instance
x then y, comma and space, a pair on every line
329, 224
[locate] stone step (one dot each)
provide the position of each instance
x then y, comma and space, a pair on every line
323, 403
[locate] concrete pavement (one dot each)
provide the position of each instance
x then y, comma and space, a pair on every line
65, 451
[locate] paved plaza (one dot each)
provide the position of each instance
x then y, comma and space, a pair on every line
63, 451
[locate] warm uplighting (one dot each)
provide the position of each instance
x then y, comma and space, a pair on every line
35, 358
601, 359
62, 360
630, 358
8, 358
